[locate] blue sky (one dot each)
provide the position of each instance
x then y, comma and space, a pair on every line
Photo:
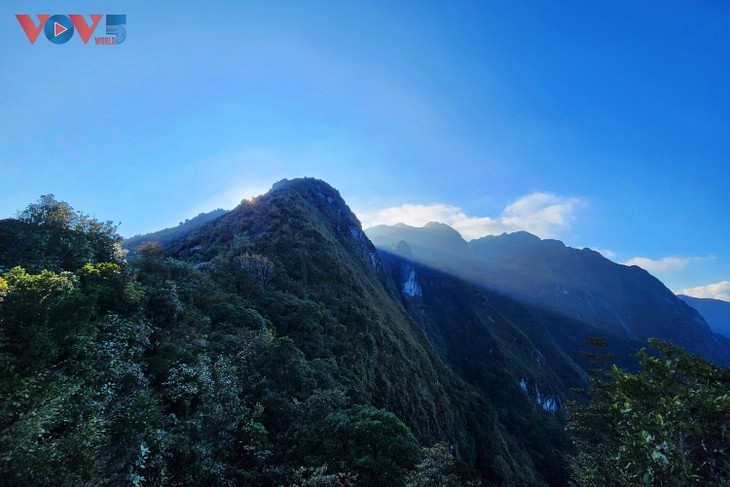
604, 124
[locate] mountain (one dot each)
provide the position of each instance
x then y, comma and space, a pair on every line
584, 285
715, 311
434, 244
168, 235
616, 301
366, 341
519, 368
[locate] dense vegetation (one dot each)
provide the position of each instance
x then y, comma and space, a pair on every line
255, 367
667, 424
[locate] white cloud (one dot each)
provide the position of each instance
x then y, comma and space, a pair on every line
543, 214
665, 264
609, 254
718, 290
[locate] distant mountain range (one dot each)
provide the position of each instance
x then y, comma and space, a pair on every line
715, 311
620, 302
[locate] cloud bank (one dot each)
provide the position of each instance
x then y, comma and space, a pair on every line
544, 214
718, 290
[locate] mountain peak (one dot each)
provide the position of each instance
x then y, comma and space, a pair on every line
298, 183
435, 244
306, 187
438, 226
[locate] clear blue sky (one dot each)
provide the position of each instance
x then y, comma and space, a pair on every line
605, 124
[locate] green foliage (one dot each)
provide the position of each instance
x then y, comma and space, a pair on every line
3, 288
108, 288
50, 234
437, 467
319, 477
371, 442
41, 317
85, 419
216, 436
667, 424
260, 269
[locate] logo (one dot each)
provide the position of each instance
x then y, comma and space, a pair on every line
59, 29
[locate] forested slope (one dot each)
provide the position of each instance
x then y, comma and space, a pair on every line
264, 348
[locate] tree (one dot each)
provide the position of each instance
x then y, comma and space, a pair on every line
41, 317
259, 268
48, 211
50, 234
151, 250
668, 424
320, 477
371, 442
437, 467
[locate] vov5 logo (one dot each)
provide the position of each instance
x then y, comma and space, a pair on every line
59, 29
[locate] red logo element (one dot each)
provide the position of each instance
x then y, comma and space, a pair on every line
82, 28
30, 29
85, 30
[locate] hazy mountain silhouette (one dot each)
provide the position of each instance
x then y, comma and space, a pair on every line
715, 311
434, 244
581, 285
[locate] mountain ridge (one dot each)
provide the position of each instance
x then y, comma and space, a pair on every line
581, 284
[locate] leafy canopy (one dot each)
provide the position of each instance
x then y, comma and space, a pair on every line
49, 234
668, 424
